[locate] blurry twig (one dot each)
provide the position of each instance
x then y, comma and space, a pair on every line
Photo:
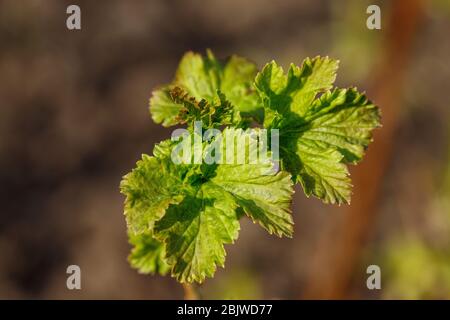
339, 250
190, 292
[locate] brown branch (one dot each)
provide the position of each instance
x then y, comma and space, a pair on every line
332, 270
190, 292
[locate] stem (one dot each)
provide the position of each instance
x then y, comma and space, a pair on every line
190, 292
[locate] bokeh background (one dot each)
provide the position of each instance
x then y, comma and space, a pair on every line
74, 119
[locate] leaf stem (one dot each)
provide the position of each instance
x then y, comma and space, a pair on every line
190, 292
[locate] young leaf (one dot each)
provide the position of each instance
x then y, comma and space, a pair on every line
202, 201
265, 198
149, 189
264, 195
237, 85
206, 78
319, 170
196, 230
317, 134
163, 109
295, 91
148, 254
210, 114
342, 119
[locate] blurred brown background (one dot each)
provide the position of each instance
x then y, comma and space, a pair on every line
74, 119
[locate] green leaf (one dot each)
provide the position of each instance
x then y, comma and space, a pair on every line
266, 199
196, 230
319, 170
237, 85
212, 207
342, 119
319, 129
199, 75
271, 84
335, 130
210, 114
295, 91
148, 254
263, 194
163, 109
315, 76
204, 78
149, 189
